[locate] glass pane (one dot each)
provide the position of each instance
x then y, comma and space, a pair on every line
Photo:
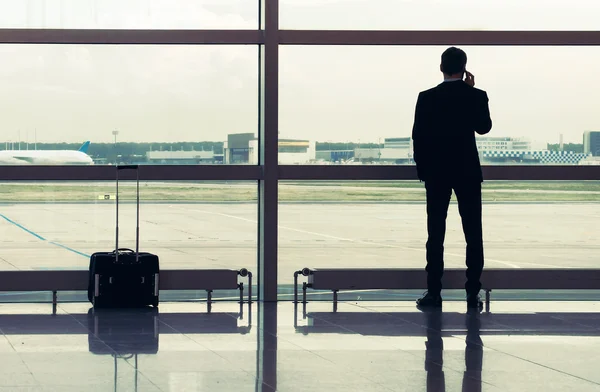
131, 14
166, 104
383, 224
358, 103
189, 225
440, 15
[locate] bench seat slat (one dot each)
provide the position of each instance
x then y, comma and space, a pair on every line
402, 278
77, 280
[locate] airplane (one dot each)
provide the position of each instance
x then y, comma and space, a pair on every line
47, 157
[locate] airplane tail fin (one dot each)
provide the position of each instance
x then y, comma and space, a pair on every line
84, 147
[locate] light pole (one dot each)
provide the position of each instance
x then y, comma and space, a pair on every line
115, 133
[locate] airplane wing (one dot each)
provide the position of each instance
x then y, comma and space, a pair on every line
11, 160
24, 160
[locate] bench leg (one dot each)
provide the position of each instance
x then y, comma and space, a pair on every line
296, 286
295, 315
249, 288
487, 300
209, 300
335, 300
241, 286
304, 292
54, 302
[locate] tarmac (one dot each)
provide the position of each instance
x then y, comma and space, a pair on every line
186, 236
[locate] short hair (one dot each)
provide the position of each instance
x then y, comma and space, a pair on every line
454, 60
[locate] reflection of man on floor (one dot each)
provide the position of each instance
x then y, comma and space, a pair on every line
446, 120
434, 353
473, 354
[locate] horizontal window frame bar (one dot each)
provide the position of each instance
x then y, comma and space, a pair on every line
439, 37
409, 172
285, 172
131, 37
299, 37
147, 173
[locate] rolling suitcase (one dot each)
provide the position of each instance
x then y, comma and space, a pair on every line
123, 277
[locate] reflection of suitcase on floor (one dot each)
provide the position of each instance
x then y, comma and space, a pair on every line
132, 331
123, 334
124, 278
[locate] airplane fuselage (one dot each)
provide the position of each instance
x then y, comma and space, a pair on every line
44, 157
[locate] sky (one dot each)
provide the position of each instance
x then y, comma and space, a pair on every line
73, 93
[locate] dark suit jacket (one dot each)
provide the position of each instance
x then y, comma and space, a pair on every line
446, 119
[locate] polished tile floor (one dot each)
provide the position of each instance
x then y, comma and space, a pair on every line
366, 346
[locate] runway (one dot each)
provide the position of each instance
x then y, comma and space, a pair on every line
62, 236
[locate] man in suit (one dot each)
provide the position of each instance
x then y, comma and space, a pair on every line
446, 119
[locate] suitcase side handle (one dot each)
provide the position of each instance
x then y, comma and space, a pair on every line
120, 250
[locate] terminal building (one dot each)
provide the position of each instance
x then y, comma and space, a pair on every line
492, 150
523, 151
183, 157
591, 143
336, 156
242, 148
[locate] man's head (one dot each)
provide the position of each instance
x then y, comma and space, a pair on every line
454, 61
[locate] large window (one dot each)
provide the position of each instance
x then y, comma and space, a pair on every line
135, 104
382, 224
188, 224
132, 14
357, 103
440, 15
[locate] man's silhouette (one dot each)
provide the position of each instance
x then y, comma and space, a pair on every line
446, 120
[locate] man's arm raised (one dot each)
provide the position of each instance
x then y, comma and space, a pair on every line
483, 121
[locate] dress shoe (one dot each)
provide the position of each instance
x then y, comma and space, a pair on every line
430, 300
474, 301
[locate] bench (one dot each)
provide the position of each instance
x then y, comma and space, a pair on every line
336, 279
77, 280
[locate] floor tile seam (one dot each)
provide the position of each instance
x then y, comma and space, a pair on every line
86, 327
335, 325
541, 365
8, 341
258, 382
595, 328
305, 349
516, 330
21, 359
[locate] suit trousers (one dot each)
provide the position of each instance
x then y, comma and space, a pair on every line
468, 195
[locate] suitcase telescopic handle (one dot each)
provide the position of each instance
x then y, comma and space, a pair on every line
137, 199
